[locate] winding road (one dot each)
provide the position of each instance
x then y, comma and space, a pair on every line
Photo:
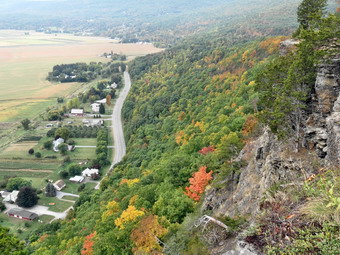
117, 125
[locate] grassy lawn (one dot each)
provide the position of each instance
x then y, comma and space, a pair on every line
70, 198
59, 206
85, 141
83, 153
15, 224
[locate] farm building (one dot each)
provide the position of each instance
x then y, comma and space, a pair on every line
77, 112
102, 101
59, 185
92, 123
89, 172
77, 179
56, 144
12, 197
95, 107
22, 214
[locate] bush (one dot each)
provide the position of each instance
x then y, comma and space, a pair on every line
27, 225
37, 154
2, 206
63, 174
74, 169
48, 145
67, 159
81, 187
31, 151
71, 142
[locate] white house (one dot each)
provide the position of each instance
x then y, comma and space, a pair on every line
112, 86
89, 172
56, 144
12, 197
77, 112
59, 185
102, 101
93, 122
77, 179
95, 107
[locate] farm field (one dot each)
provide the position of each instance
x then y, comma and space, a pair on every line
25, 61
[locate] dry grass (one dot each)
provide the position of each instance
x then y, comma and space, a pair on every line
26, 60
24, 147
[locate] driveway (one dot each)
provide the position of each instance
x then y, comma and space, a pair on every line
40, 210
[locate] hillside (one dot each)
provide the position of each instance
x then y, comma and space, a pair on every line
164, 22
232, 146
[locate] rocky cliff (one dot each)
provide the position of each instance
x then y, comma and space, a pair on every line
272, 162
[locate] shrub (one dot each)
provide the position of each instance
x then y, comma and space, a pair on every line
37, 154
67, 159
48, 145
74, 169
31, 151
63, 174
71, 142
2, 207
81, 187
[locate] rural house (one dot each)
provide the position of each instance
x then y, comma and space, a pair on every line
22, 214
59, 185
77, 112
102, 101
95, 107
77, 179
89, 172
12, 197
56, 144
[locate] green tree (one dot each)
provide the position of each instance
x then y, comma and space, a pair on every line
63, 148
50, 190
26, 124
310, 12
37, 154
10, 245
48, 145
74, 169
63, 132
17, 183
101, 109
27, 197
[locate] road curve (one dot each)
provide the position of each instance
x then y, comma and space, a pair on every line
117, 125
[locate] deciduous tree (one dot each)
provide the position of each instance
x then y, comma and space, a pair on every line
198, 183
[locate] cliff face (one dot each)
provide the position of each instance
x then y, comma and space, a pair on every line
322, 131
273, 162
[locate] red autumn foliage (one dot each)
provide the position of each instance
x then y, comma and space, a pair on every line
88, 244
198, 183
206, 150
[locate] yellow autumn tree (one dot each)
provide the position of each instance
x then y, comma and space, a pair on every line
144, 237
130, 214
111, 208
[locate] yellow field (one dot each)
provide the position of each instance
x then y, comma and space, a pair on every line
25, 61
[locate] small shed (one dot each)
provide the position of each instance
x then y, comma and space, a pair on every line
77, 112
22, 214
59, 185
77, 179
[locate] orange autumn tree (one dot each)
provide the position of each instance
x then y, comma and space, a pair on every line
198, 183
108, 99
144, 237
88, 244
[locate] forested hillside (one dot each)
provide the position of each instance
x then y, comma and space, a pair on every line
187, 113
191, 110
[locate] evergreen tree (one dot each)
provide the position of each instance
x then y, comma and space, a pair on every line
27, 197
101, 109
50, 190
310, 11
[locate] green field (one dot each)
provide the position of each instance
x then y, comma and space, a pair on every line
59, 205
